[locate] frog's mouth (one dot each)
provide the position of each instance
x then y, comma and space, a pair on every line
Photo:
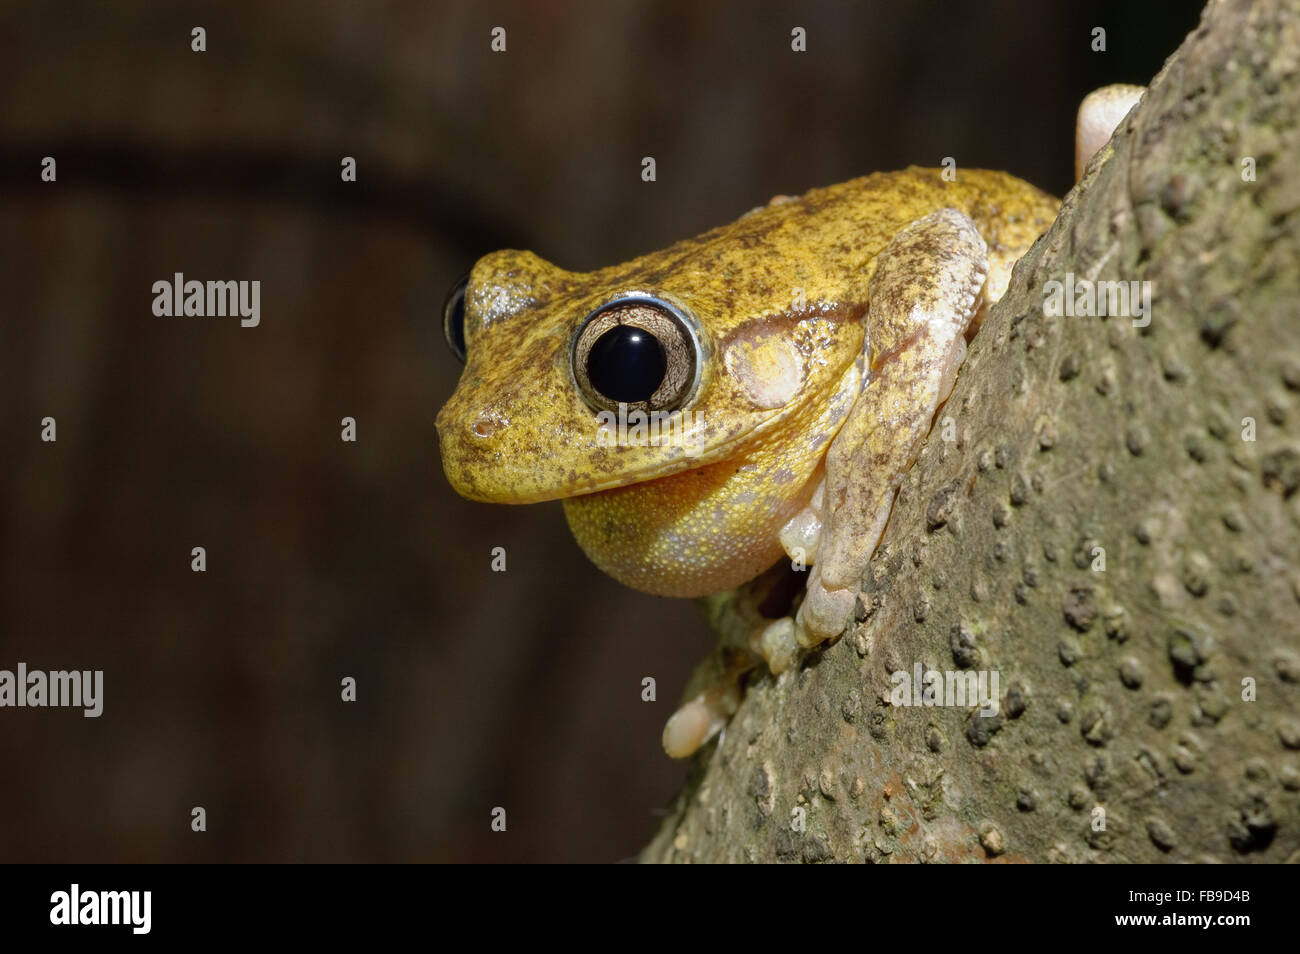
613, 461
483, 463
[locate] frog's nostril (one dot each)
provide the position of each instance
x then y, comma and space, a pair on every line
485, 426
488, 421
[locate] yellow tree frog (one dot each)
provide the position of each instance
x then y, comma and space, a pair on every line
752, 395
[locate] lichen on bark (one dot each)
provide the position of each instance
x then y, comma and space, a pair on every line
1115, 531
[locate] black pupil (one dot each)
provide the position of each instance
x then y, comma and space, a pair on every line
627, 364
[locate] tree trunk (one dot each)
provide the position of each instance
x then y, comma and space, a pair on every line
1111, 532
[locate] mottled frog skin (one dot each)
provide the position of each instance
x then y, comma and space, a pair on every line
809, 344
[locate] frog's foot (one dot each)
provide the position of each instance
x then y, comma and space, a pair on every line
778, 644
1100, 114
801, 536
824, 612
750, 630
704, 716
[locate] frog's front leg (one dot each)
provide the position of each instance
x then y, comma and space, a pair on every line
927, 287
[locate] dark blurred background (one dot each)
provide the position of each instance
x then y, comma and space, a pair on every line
328, 559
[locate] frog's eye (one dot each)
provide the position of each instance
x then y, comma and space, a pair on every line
641, 352
453, 318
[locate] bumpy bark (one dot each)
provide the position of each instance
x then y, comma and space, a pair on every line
1102, 533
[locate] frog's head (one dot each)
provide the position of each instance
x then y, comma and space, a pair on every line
715, 340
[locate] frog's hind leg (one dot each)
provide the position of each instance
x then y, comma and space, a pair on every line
702, 717
927, 287
753, 626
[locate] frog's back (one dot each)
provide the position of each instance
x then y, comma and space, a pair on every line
821, 246
1009, 212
